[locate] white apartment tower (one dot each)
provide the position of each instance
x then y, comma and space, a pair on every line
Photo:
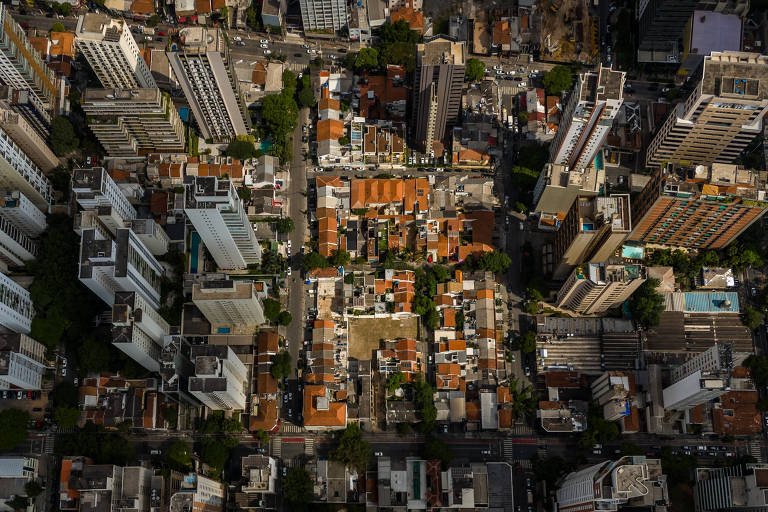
229, 303
217, 213
115, 488
198, 493
123, 263
323, 14
588, 118
18, 172
15, 207
94, 188
113, 54
16, 308
220, 377
597, 287
16, 248
700, 379
138, 329
22, 361
26, 136
152, 234
206, 75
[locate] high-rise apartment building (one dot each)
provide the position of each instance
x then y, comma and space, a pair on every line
109, 488
95, 187
230, 304
28, 138
112, 52
220, 377
22, 361
22, 68
134, 122
138, 329
720, 117
152, 234
123, 263
25, 103
206, 75
18, 172
662, 23
323, 14
592, 231
16, 248
598, 287
587, 118
197, 494
558, 187
16, 308
700, 379
176, 369
698, 207
217, 213
437, 83
15, 207
608, 485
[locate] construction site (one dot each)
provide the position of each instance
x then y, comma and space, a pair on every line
568, 32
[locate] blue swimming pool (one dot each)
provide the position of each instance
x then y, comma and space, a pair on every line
195, 249
632, 251
265, 145
599, 161
585, 226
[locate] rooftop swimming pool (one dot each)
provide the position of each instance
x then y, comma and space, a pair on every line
634, 252
194, 253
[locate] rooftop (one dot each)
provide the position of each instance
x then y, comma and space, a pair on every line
736, 75
441, 51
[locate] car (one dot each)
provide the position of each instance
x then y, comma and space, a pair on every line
264, 46
498, 68
240, 43
304, 46
332, 57
5, 395
237, 39
303, 249
285, 470
312, 51
522, 226
161, 33
309, 52
155, 452
63, 372
512, 72
665, 90
76, 381
289, 244
522, 84
147, 38
378, 454
288, 272
486, 452
527, 371
518, 79
263, 41
267, 52
342, 50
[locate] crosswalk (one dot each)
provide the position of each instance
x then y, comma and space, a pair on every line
288, 428
756, 451
49, 443
309, 446
276, 448
508, 449
521, 429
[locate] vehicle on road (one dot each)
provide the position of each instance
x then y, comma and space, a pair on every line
263, 41
267, 52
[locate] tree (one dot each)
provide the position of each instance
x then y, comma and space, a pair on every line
437, 449
171, 416
475, 70
215, 452
758, 369
343, 140
394, 381
495, 261
367, 59
271, 308
154, 20
557, 80
424, 394
285, 225
244, 193
307, 98
397, 32
646, 304
460, 320
281, 114
522, 117
599, 430
13, 428
66, 417
64, 394
289, 82
753, 318
18, 502
33, 489
313, 260
339, 258
281, 365
284, 318
298, 488
179, 456
97, 443
63, 138
58, 27
262, 436
403, 429
353, 451
440, 273
527, 342
241, 149
533, 294
224, 14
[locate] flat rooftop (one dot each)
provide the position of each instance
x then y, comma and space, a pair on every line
223, 290
117, 95
736, 75
441, 51
201, 39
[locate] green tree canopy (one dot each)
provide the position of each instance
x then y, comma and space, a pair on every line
353, 451
339, 258
284, 318
271, 308
343, 140
97, 443
262, 436
495, 261
63, 138
215, 452
646, 304
403, 429
313, 260
367, 59
475, 70
154, 20
758, 368
241, 149
13, 428
33, 489
523, 117
424, 394
244, 193
281, 114
179, 456
394, 381
753, 318
298, 488
307, 98
285, 225
66, 417
528, 342
58, 27
557, 80
171, 416
437, 449
281, 365
289, 82
397, 32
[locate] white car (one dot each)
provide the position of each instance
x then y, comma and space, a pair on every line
378, 454
304, 46
267, 52
288, 272
498, 68
511, 72
264, 46
522, 84
263, 41
309, 52
289, 244
313, 51
237, 39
